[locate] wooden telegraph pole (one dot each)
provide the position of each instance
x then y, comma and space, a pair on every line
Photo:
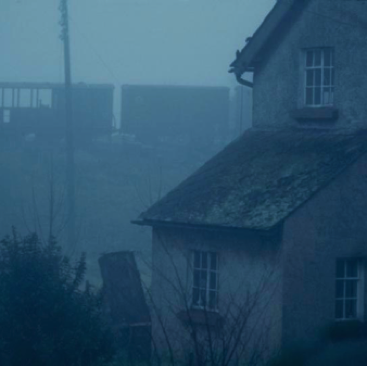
69, 133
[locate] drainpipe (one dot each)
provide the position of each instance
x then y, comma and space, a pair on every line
238, 75
244, 82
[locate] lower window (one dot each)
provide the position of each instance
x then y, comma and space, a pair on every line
348, 289
205, 280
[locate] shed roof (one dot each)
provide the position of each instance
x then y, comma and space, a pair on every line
123, 293
257, 181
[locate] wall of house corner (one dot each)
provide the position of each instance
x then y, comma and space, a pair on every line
279, 76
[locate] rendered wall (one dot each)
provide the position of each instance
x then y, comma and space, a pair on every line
249, 281
332, 225
279, 79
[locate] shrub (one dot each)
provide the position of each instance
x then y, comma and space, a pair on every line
347, 353
346, 330
45, 319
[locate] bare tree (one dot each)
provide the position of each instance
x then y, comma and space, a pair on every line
45, 213
236, 332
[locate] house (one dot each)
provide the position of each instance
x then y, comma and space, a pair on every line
264, 246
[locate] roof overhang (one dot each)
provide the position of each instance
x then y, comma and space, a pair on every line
273, 231
247, 58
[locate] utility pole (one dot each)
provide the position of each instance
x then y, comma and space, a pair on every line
69, 129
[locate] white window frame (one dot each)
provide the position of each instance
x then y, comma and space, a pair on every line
342, 282
319, 77
203, 276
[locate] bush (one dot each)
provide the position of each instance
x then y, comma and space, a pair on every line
341, 344
45, 319
296, 356
347, 353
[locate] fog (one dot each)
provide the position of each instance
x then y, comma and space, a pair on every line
119, 42
128, 41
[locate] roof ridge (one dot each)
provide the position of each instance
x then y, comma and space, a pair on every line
245, 58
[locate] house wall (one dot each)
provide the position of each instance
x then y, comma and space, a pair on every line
279, 79
249, 281
333, 224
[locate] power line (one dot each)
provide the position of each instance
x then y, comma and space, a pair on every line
100, 58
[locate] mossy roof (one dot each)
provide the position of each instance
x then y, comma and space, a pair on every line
258, 180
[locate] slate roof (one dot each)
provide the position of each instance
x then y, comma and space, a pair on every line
258, 180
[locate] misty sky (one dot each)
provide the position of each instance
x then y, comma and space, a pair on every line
187, 42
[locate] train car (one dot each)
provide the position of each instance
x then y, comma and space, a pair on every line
39, 109
188, 114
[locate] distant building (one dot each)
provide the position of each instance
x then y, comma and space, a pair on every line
264, 246
193, 115
39, 109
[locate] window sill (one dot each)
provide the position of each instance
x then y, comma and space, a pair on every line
346, 329
315, 114
200, 317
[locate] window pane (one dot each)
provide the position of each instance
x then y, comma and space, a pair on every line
6, 116
309, 58
8, 97
317, 60
203, 297
318, 77
203, 279
213, 261
309, 96
340, 269
25, 98
339, 290
212, 299
34, 98
204, 260
350, 309
309, 77
213, 281
15, 97
327, 96
196, 259
196, 278
317, 100
195, 296
1, 97
327, 77
352, 268
339, 309
44, 98
351, 289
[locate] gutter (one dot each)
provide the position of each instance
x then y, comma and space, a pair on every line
275, 230
244, 82
238, 74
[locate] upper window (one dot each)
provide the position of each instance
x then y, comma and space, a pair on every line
348, 289
205, 280
319, 77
